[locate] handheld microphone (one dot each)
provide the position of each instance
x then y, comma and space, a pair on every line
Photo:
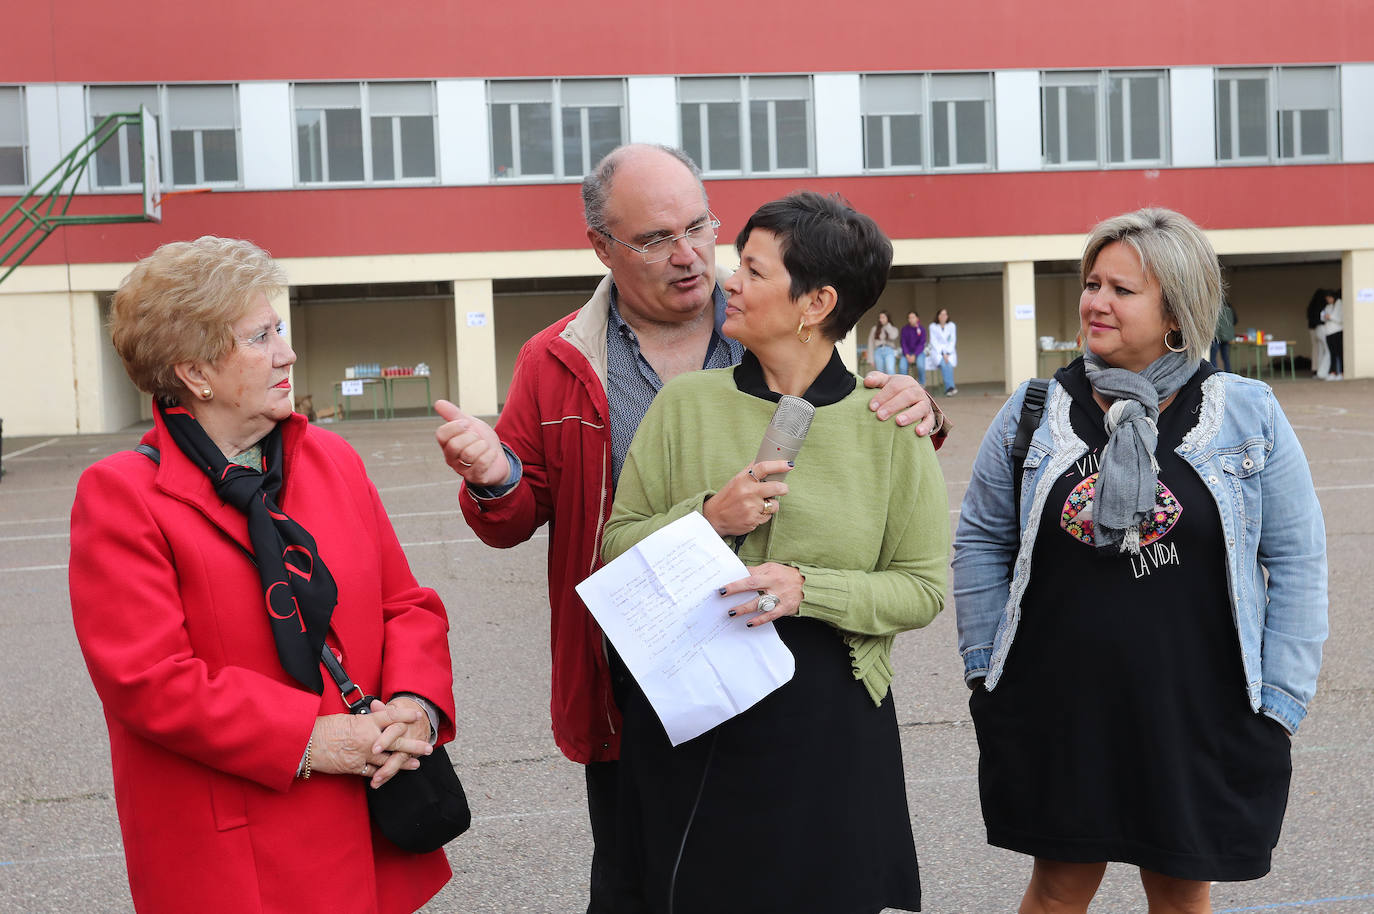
783, 439
786, 432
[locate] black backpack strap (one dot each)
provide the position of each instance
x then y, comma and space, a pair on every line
152, 453
1032, 410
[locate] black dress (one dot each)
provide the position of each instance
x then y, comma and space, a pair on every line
800, 801
1120, 729
803, 800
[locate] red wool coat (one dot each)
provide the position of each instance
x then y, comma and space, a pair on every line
206, 729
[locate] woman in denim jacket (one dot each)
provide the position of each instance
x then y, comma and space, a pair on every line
1135, 676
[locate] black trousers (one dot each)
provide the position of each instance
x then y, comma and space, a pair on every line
1336, 343
611, 891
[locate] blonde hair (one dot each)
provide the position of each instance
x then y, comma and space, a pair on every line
1178, 255
179, 304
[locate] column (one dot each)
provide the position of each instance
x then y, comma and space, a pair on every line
474, 364
1357, 312
1018, 322
87, 370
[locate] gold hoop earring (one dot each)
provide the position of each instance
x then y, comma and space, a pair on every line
1182, 344
206, 393
801, 325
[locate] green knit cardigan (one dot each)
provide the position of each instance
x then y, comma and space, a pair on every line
866, 520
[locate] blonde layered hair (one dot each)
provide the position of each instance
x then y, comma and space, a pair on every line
1178, 255
179, 304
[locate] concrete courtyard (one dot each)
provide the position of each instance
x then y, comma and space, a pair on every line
529, 847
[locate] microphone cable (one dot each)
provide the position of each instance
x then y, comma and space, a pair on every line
691, 817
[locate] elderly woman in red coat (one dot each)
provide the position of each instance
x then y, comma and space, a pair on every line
207, 575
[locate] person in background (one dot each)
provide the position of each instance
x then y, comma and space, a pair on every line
580, 389
914, 346
1226, 332
1142, 602
942, 353
1333, 324
1321, 355
798, 804
208, 574
882, 344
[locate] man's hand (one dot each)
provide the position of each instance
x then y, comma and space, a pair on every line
470, 446
899, 394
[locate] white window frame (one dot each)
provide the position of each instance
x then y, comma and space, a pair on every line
364, 109
1100, 81
166, 127
755, 89
1231, 75
427, 88
1282, 107
558, 104
120, 141
933, 92
1162, 89
937, 94
911, 87
26, 178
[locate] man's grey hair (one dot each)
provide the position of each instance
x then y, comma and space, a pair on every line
596, 186
1178, 255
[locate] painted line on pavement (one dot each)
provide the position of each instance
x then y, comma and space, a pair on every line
32, 536
32, 447
36, 568
64, 859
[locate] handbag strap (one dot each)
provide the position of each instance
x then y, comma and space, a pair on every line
362, 702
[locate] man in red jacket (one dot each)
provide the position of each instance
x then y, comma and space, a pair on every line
579, 391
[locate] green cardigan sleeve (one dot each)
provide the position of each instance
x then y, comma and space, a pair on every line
909, 588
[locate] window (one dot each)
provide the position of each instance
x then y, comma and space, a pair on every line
940, 120
1308, 98
1093, 118
960, 120
527, 141
747, 124
119, 163
13, 153
1243, 115
203, 133
199, 134
333, 147
892, 112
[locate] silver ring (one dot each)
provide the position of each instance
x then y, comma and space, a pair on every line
464, 462
768, 602
365, 767
750, 471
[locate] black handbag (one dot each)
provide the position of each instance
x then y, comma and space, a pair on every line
418, 811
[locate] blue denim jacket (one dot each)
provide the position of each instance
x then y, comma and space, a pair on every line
1247, 455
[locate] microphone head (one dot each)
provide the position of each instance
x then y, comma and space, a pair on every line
793, 416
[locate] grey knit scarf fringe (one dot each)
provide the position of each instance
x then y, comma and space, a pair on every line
1129, 472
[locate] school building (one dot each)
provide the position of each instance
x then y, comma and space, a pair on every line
415, 167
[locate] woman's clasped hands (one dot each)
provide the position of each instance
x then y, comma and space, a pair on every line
376, 745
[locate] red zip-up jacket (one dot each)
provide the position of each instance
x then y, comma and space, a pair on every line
556, 419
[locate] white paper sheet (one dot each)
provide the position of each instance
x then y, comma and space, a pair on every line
659, 606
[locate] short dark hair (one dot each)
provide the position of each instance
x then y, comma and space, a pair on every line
826, 242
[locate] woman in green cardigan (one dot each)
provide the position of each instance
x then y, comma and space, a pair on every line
798, 804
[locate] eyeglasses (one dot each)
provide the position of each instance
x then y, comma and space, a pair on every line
698, 236
263, 338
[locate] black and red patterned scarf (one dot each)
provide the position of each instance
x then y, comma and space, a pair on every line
299, 593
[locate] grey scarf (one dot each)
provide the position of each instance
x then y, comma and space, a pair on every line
1129, 472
